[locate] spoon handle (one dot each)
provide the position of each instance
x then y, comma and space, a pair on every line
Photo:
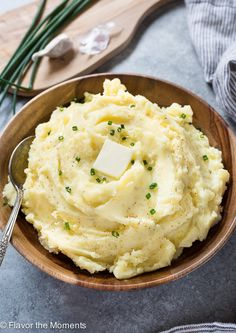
10, 225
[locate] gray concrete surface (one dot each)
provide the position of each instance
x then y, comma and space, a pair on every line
162, 47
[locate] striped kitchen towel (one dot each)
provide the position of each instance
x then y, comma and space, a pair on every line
204, 328
212, 25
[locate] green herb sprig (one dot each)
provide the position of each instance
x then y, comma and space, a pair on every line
115, 234
67, 226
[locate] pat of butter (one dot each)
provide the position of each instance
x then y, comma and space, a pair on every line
113, 159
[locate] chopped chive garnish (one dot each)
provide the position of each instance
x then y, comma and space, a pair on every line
92, 172
68, 189
109, 122
67, 226
61, 108
119, 129
5, 202
81, 100
98, 180
112, 132
145, 162
74, 128
132, 162
132, 144
104, 179
59, 172
149, 168
115, 233
61, 138
202, 136
152, 186
122, 126
152, 211
132, 106
77, 159
148, 196
49, 132
183, 115
205, 157
124, 138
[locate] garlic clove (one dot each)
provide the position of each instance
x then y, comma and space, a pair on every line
56, 48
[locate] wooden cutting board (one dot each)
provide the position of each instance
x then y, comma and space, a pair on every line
126, 14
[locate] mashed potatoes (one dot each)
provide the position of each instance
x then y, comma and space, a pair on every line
168, 197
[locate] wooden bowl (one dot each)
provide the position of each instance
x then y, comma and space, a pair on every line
39, 109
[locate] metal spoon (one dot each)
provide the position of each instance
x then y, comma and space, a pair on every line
17, 164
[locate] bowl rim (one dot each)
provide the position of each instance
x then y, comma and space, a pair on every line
205, 257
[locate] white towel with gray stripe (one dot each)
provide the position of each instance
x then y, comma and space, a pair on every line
204, 328
212, 25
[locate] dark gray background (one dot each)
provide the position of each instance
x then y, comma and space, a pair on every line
162, 47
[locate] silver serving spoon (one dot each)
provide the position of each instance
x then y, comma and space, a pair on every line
17, 164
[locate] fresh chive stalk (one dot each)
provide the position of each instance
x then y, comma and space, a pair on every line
55, 23
31, 33
36, 38
28, 33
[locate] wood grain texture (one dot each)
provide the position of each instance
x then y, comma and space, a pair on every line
39, 109
127, 14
